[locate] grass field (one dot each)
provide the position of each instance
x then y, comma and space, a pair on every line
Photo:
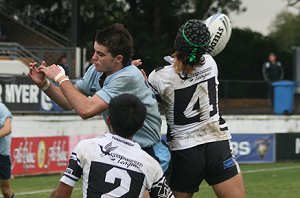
280, 180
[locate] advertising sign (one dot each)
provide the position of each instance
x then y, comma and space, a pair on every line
18, 93
36, 155
253, 148
288, 146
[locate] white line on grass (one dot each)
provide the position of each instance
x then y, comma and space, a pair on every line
37, 192
270, 169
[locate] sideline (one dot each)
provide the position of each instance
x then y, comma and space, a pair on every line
37, 192
270, 169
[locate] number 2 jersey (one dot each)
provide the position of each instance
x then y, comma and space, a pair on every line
112, 166
190, 104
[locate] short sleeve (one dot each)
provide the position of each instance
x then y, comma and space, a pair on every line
160, 187
4, 114
74, 170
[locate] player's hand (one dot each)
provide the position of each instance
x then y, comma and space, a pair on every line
144, 74
53, 72
137, 62
35, 75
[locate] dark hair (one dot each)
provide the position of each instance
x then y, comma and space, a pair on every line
127, 114
117, 39
191, 42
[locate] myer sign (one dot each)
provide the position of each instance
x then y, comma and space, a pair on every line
18, 93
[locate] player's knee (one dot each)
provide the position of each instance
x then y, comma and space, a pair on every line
6, 191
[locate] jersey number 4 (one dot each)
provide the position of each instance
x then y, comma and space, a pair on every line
187, 104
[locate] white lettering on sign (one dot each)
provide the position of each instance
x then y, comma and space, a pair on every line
24, 155
46, 102
241, 148
58, 154
297, 146
21, 93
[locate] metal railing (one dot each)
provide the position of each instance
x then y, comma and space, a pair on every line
10, 50
249, 97
34, 24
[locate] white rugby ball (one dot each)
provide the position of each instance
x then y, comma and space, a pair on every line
220, 29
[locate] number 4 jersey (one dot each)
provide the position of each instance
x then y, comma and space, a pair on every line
190, 104
112, 166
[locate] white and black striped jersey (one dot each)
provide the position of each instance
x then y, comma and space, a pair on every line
190, 104
112, 166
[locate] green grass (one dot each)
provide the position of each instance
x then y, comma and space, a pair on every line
260, 181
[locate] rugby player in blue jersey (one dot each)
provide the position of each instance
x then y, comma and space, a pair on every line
111, 75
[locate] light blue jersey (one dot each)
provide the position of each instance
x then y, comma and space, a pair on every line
127, 80
6, 140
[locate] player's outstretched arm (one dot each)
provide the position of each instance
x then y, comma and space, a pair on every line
40, 79
86, 107
62, 191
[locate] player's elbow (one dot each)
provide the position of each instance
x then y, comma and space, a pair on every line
85, 114
67, 108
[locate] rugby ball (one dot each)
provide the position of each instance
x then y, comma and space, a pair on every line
220, 29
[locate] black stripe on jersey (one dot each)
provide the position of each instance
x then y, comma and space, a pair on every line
159, 68
159, 181
223, 124
73, 178
157, 96
76, 170
74, 157
221, 120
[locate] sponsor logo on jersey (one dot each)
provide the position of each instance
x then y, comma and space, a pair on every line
69, 171
124, 142
201, 75
120, 159
229, 163
107, 149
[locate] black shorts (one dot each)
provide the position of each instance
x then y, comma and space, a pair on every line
5, 167
213, 162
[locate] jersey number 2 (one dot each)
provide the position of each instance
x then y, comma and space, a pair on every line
121, 174
106, 180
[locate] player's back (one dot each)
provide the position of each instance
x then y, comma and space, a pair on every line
116, 167
190, 103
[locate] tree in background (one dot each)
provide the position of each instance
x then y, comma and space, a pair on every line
285, 30
153, 24
293, 3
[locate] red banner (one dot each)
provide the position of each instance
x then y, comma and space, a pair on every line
36, 155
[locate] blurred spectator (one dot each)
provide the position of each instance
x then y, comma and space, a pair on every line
5, 160
88, 64
63, 61
272, 72
2, 33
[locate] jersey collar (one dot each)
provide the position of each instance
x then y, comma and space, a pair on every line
121, 140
